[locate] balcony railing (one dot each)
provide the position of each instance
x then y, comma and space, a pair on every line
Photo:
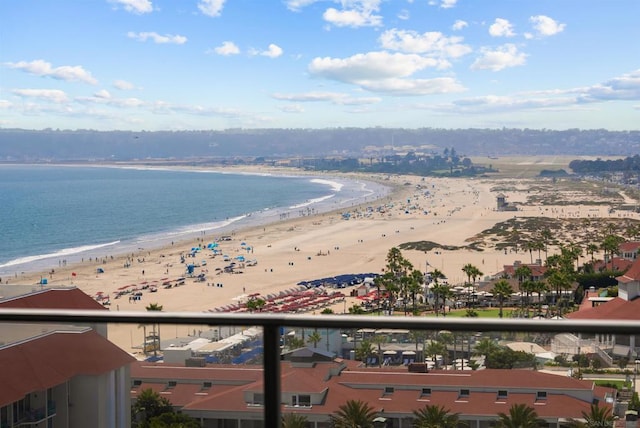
272, 324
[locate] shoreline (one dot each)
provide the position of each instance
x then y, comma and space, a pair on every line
447, 211
344, 193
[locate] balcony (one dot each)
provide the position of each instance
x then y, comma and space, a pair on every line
36, 416
273, 326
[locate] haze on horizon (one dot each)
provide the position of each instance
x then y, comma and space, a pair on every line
220, 64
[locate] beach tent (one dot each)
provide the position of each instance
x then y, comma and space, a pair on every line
99, 270
43, 281
190, 268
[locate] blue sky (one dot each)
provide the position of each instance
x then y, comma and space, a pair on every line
219, 64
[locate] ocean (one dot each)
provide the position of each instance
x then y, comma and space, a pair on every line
55, 214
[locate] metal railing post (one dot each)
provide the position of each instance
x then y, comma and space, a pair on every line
271, 375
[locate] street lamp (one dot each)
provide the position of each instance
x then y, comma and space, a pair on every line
635, 373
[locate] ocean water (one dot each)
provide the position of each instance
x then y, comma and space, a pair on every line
53, 214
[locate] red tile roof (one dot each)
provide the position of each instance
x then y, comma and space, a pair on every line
52, 359
53, 298
633, 274
616, 264
369, 386
616, 309
536, 269
629, 246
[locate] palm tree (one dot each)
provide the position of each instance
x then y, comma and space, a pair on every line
539, 287
147, 405
379, 339
611, 245
592, 249
256, 304
434, 349
502, 289
314, 338
446, 338
439, 290
523, 273
520, 416
434, 417
293, 420
353, 414
364, 351
468, 270
485, 347
598, 417
154, 307
415, 286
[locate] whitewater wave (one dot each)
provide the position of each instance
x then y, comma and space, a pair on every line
311, 202
335, 186
57, 254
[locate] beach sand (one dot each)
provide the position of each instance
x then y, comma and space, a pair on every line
446, 211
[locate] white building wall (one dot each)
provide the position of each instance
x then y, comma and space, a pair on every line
99, 401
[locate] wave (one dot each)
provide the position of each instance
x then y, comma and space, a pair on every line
335, 186
60, 253
311, 202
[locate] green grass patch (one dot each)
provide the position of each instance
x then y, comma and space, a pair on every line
482, 313
618, 384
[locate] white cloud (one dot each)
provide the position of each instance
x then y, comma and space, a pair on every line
103, 93
625, 87
292, 108
546, 26
104, 98
157, 38
355, 13
411, 87
123, 85
501, 28
66, 72
500, 58
227, 48
372, 65
404, 14
459, 25
5, 104
51, 95
135, 6
211, 8
494, 103
444, 4
384, 72
425, 43
296, 5
332, 97
274, 51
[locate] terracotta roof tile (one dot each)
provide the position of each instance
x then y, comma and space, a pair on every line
53, 298
369, 386
43, 362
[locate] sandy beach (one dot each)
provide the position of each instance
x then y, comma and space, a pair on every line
446, 211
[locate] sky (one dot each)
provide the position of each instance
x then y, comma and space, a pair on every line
149, 65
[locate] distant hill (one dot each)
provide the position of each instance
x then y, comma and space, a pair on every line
87, 145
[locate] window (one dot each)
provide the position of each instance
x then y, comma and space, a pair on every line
464, 393
426, 391
137, 383
258, 399
541, 395
206, 385
171, 384
301, 400
503, 394
388, 389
